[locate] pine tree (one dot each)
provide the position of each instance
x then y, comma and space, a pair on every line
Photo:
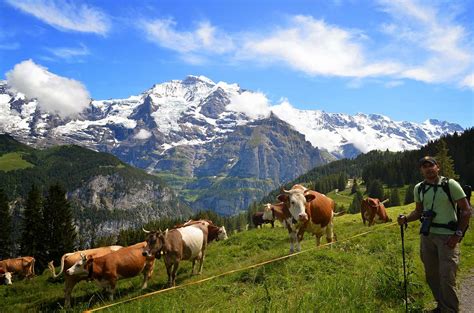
409, 196
342, 182
445, 162
375, 189
356, 203
31, 242
394, 197
5, 228
60, 233
355, 186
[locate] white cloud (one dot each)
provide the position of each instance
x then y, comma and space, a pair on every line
468, 81
142, 134
55, 94
317, 48
436, 46
253, 104
65, 15
204, 39
69, 52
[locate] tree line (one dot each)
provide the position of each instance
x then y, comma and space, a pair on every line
46, 223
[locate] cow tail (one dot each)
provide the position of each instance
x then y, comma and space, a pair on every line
33, 266
53, 270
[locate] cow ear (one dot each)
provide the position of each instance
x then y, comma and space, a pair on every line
310, 197
282, 198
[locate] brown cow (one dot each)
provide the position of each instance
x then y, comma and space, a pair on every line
373, 211
108, 269
22, 266
214, 232
184, 243
68, 260
310, 211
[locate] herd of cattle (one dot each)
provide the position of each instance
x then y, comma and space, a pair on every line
300, 210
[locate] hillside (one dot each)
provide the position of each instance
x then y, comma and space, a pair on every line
107, 194
394, 169
360, 274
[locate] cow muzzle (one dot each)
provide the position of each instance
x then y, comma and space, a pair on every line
303, 217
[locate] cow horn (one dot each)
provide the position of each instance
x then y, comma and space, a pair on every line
146, 231
283, 190
384, 201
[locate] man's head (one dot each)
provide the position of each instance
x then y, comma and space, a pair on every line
429, 167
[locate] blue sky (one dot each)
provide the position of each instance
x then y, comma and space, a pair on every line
408, 60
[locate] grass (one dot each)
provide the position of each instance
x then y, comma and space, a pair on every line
13, 161
361, 274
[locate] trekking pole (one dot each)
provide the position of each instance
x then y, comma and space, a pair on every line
404, 265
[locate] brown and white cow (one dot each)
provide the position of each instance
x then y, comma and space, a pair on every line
373, 211
311, 212
258, 220
214, 232
106, 270
183, 243
5, 277
22, 266
68, 260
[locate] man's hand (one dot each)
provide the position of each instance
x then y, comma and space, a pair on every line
402, 219
453, 241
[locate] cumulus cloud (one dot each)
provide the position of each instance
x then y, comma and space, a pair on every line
317, 48
434, 45
253, 104
142, 134
65, 15
55, 94
204, 39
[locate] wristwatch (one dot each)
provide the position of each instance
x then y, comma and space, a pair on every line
459, 233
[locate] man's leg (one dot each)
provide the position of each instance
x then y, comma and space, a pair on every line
429, 257
448, 266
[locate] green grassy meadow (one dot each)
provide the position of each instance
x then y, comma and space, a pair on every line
13, 161
360, 274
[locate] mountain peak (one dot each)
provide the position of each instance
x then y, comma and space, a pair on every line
192, 79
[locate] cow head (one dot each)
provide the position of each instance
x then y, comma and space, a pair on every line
295, 200
80, 268
5, 277
154, 243
222, 234
267, 212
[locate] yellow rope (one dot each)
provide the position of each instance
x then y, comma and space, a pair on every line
233, 271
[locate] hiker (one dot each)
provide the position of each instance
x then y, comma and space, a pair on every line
442, 229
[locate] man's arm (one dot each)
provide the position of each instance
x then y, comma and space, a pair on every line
413, 216
463, 205
465, 215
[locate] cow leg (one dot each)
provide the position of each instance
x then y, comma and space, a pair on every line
147, 272
173, 273
201, 262
292, 236
168, 265
330, 232
111, 289
273, 224
68, 286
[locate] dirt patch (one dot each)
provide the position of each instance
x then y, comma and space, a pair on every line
466, 293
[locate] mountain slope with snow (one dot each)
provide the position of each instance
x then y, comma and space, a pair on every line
208, 135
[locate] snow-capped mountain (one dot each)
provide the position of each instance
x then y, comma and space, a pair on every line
212, 134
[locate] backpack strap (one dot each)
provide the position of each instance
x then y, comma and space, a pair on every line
445, 186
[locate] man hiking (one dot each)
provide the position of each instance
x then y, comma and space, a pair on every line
441, 231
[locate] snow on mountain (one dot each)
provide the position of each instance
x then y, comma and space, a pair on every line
196, 111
